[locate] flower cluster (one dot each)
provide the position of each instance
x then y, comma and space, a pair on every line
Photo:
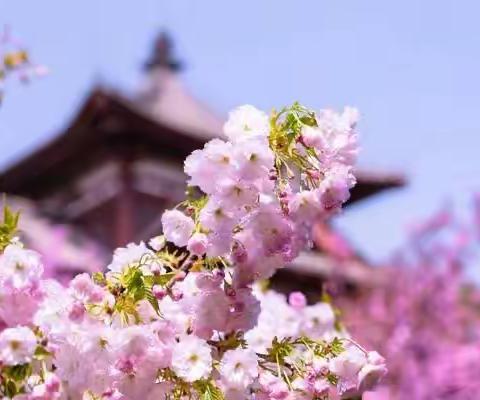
15, 61
262, 189
424, 316
179, 318
351, 368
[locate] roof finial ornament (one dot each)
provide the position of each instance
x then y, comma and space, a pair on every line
162, 54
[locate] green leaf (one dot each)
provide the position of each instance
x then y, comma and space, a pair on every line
152, 300
8, 227
41, 353
18, 373
10, 389
162, 279
280, 349
208, 391
332, 378
337, 347
99, 278
135, 284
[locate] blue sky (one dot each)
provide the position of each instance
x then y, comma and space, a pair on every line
411, 67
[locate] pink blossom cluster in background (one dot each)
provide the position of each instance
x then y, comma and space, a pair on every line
179, 317
65, 251
424, 317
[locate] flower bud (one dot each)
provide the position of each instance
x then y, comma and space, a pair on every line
180, 276
77, 311
52, 383
159, 292
156, 269
176, 294
197, 244
297, 300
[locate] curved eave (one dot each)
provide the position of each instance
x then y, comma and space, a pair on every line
105, 119
371, 183
318, 266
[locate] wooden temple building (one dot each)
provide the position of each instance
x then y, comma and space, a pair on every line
119, 164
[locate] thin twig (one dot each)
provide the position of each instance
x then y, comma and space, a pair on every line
185, 267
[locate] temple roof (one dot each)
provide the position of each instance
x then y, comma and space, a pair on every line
164, 98
371, 182
105, 125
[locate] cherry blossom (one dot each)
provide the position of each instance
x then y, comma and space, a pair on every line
182, 317
17, 345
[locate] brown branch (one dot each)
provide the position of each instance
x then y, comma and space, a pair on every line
185, 267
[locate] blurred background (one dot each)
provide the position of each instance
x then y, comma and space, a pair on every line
93, 151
